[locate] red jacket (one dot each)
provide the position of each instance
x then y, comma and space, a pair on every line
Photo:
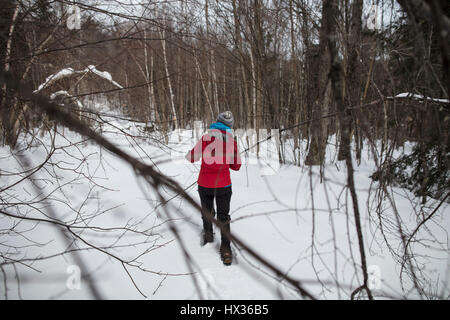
219, 153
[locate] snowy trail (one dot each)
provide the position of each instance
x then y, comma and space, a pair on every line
271, 213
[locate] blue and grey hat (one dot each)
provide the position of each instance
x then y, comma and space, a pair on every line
226, 118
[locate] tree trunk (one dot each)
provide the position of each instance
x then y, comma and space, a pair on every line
336, 76
148, 79
10, 112
169, 82
321, 104
244, 112
211, 63
353, 79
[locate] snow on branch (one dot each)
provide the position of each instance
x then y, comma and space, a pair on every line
68, 72
66, 94
407, 95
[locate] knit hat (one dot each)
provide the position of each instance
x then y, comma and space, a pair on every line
226, 118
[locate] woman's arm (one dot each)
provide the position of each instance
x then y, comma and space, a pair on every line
196, 153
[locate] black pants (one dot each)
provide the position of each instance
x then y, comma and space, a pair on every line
223, 197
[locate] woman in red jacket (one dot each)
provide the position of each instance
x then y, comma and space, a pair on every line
219, 153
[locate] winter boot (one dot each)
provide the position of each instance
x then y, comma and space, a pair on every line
225, 248
226, 255
208, 236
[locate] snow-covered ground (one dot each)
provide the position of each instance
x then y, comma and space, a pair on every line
305, 227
